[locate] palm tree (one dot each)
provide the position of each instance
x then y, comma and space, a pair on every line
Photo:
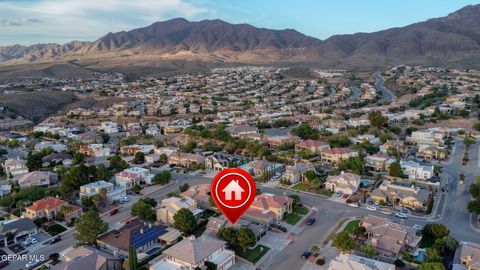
449, 243
315, 249
103, 193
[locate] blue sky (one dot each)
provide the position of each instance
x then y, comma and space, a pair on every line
42, 21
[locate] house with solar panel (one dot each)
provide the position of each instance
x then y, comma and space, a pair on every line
142, 236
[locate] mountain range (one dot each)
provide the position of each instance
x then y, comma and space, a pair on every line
453, 40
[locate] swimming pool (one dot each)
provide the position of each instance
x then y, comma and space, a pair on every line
421, 256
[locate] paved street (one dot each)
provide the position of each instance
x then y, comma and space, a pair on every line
387, 94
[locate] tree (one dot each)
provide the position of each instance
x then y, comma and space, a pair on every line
369, 250
446, 244
139, 158
295, 198
468, 141
117, 163
162, 177
163, 158
132, 258
34, 161
377, 119
245, 237
359, 230
78, 158
89, 226
228, 234
354, 164
343, 241
476, 126
184, 187
315, 249
102, 173
310, 175
395, 170
431, 266
190, 146
184, 221
433, 255
474, 206
474, 189
305, 131
143, 211
435, 230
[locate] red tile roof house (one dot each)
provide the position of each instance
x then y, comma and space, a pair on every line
49, 207
335, 155
314, 146
268, 207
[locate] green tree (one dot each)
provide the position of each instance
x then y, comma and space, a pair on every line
143, 211
354, 164
190, 146
395, 170
433, 255
245, 237
435, 230
474, 206
210, 265
184, 221
78, 158
89, 226
132, 258
117, 163
184, 187
34, 161
163, 158
468, 141
139, 158
369, 250
305, 131
343, 241
474, 189
162, 177
315, 249
228, 234
377, 119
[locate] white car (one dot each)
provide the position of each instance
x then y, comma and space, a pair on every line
31, 240
401, 215
418, 227
353, 204
32, 263
371, 208
125, 199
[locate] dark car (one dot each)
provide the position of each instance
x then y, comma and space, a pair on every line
113, 212
55, 240
306, 255
310, 221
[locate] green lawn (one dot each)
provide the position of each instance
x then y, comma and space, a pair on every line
301, 187
292, 219
352, 224
324, 192
55, 229
254, 254
300, 210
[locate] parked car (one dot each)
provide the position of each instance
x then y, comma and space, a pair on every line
405, 210
306, 255
113, 212
418, 227
371, 208
353, 204
125, 199
401, 215
32, 263
55, 240
310, 221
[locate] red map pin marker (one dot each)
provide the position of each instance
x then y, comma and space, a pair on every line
233, 191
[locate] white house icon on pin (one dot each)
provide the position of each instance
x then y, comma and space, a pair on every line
233, 187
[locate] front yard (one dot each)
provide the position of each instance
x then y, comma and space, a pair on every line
296, 216
350, 225
254, 254
55, 229
305, 187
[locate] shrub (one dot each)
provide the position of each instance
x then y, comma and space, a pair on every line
320, 261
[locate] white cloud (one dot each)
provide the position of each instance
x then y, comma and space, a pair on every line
86, 19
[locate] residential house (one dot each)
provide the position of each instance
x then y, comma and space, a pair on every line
389, 238
470, 255
398, 145
365, 138
38, 178
241, 130
200, 194
221, 160
416, 171
426, 137
132, 149
50, 207
169, 207
186, 160
313, 146
109, 127
55, 146
336, 155
193, 253
153, 131
378, 162
57, 158
295, 173
19, 228
268, 207
87, 257
140, 235
400, 195
133, 176
431, 152
5, 190
15, 167
113, 193
345, 261
345, 183
95, 150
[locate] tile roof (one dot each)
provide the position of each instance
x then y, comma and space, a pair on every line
46, 203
